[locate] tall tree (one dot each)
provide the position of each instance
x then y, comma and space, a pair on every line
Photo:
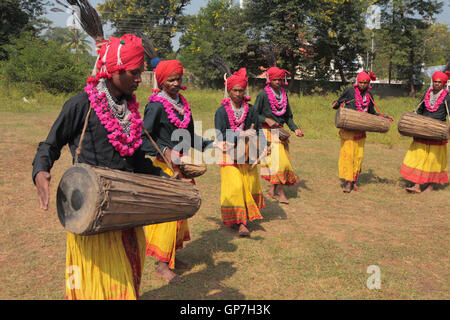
339, 38
17, 16
215, 41
281, 26
404, 26
158, 19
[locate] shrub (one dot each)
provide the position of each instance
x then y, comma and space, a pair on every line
45, 64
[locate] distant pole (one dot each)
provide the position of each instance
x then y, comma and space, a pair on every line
241, 4
371, 57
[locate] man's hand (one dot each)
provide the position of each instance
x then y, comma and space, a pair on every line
271, 123
389, 118
42, 180
299, 133
248, 133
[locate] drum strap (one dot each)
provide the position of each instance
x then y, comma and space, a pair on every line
418, 106
446, 107
78, 151
376, 106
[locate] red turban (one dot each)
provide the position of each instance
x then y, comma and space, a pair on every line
117, 55
276, 73
439, 75
238, 78
364, 76
165, 68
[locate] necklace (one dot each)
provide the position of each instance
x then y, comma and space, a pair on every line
124, 138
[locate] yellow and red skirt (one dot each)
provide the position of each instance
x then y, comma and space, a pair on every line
351, 155
425, 162
276, 168
106, 266
165, 238
241, 196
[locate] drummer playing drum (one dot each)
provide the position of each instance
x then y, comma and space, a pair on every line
426, 160
357, 97
106, 265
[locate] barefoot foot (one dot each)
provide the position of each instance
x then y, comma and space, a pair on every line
163, 271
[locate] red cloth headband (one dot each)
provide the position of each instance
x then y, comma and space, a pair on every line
443, 77
238, 78
120, 54
165, 68
363, 76
276, 73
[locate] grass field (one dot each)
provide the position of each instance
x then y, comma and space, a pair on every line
318, 247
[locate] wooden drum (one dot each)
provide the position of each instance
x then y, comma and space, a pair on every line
93, 200
283, 134
360, 121
190, 170
415, 125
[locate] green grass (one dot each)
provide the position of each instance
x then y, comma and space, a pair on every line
318, 247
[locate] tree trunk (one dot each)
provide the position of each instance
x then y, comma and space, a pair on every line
412, 92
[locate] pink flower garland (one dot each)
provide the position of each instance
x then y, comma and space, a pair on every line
235, 123
359, 100
438, 101
278, 109
170, 113
125, 144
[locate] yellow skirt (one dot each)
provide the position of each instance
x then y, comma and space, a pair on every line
276, 168
351, 155
106, 266
240, 197
165, 238
425, 162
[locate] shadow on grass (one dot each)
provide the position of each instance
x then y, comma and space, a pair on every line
371, 178
207, 282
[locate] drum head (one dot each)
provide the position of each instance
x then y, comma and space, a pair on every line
77, 199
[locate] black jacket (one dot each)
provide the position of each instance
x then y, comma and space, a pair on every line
96, 148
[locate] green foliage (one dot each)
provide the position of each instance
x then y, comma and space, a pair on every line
338, 32
17, 16
44, 64
159, 19
72, 39
437, 45
404, 27
282, 28
217, 32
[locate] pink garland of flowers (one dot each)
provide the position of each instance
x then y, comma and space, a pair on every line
235, 123
438, 101
359, 100
125, 144
170, 110
278, 109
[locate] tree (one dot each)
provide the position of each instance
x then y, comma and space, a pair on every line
215, 41
338, 36
437, 45
158, 19
282, 28
17, 16
44, 64
66, 37
404, 26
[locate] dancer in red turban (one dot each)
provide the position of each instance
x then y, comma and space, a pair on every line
107, 265
351, 156
426, 160
274, 111
166, 112
235, 121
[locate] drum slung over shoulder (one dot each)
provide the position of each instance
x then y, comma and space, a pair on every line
360, 121
92, 200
